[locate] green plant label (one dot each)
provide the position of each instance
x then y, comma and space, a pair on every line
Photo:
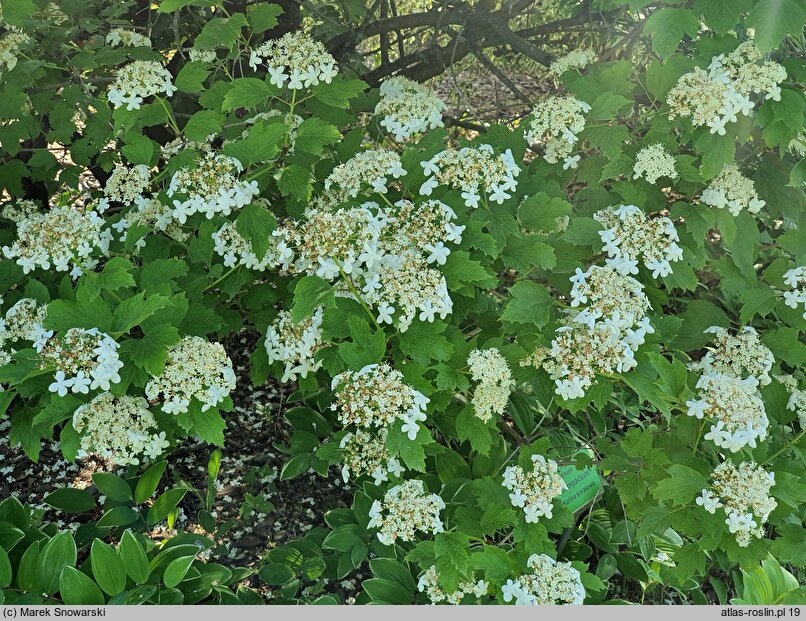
583, 485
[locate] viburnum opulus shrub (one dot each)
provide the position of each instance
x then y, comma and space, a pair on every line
559, 362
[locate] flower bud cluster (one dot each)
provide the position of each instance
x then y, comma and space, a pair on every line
406, 508
19, 210
295, 60
737, 355
126, 185
84, 360
120, 429
211, 187
375, 397
138, 80
23, 322
429, 583
150, 214
57, 237
575, 59
295, 344
556, 123
10, 44
733, 190
477, 172
292, 121
236, 250
408, 108
797, 397
196, 369
629, 235
536, 490
365, 452
717, 96
795, 279
549, 583
126, 38
653, 162
489, 368
743, 492
364, 173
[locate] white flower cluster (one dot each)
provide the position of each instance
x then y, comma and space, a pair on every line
715, 97
57, 237
389, 254
736, 407
138, 80
365, 452
366, 171
743, 492
196, 369
797, 397
731, 373
10, 44
295, 60
549, 583
84, 360
629, 235
119, 429
737, 355
210, 187
126, 185
556, 123
23, 322
150, 214
477, 172
731, 189
295, 344
202, 56
795, 279
575, 59
19, 210
376, 397
236, 250
406, 508
600, 339
429, 583
126, 38
489, 368
653, 162
534, 491
408, 108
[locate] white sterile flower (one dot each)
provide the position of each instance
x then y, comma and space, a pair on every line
549, 583
575, 59
536, 489
716, 96
429, 583
295, 60
385, 312
83, 359
653, 162
406, 509
118, 428
571, 161
489, 368
731, 189
629, 234
408, 108
195, 369
555, 124
474, 171
743, 492
138, 80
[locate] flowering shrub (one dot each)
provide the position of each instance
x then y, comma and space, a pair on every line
470, 325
